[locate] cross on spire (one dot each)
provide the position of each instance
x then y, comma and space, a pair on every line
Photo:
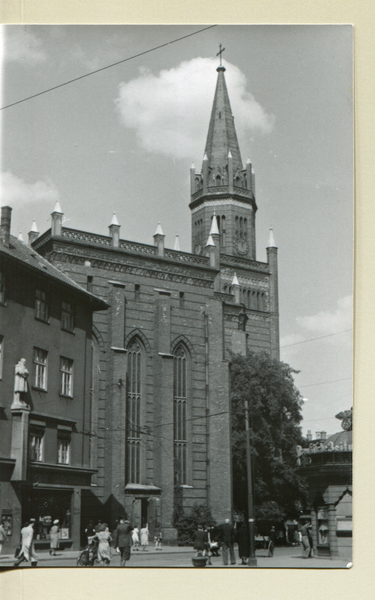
220, 53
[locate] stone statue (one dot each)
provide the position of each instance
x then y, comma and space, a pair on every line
346, 417
20, 383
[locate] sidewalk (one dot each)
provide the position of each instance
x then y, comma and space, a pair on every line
177, 556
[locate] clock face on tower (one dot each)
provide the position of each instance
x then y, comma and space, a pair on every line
242, 246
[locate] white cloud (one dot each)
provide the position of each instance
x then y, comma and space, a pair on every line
327, 322
15, 192
170, 111
22, 45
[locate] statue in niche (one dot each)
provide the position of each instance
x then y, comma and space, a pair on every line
20, 384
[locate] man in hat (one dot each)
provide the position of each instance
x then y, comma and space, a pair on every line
123, 539
27, 547
306, 536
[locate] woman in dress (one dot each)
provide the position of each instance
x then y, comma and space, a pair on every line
135, 536
54, 533
144, 537
104, 549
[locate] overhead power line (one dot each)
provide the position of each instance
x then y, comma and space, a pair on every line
317, 338
324, 382
108, 66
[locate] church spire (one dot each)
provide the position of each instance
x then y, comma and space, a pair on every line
222, 137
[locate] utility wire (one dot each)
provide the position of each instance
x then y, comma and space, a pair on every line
324, 382
108, 66
317, 338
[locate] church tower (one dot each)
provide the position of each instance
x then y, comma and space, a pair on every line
224, 188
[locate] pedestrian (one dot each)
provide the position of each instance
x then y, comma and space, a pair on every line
54, 533
271, 541
123, 539
214, 545
200, 541
90, 531
305, 540
3, 536
144, 537
98, 526
243, 542
227, 534
157, 539
135, 536
27, 545
104, 550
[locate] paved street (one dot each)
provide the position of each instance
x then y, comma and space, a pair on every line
290, 557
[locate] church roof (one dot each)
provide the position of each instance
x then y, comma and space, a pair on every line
222, 137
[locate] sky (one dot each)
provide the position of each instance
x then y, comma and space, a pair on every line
123, 139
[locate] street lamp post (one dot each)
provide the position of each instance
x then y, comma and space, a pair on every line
250, 500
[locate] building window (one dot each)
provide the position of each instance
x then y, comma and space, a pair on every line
223, 231
41, 305
66, 371
182, 299
89, 283
179, 416
133, 412
63, 448
40, 368
36, 444
1, 355
2, 287
67, 316
137, 292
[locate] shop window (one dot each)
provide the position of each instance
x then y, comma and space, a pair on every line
63, 448
2, 287
40, 368
66, 377
133, 412
179, 417
67, 316
41, 305
36, 444
1, 355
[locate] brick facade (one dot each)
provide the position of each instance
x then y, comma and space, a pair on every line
164, 302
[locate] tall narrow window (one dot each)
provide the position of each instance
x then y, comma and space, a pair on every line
179, 417
89, 283
40, 368
67, 316
137, 292
63, 448
2, 287
245, 229
41, 306
182, 299
36, 444
66, 377
133, 412
223, 232
236, 227
1, 355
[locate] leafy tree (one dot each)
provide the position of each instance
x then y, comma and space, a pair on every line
275, 413
187, 523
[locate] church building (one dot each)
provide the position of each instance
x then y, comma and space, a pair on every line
160, 424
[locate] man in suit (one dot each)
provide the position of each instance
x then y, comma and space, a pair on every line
123, 539
227, 536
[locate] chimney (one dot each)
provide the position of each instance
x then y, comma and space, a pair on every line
309, 435
323, 435
6, 217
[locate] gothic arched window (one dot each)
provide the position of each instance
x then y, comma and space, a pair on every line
223, 232
133, 412
179, 415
